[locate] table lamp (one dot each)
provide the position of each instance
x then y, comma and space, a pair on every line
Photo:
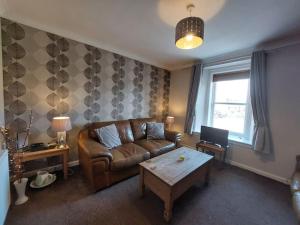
170, 121
61, 124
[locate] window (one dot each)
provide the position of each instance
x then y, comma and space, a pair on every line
224, 100
230, 104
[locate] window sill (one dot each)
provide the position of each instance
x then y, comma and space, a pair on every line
234, 141
240, 143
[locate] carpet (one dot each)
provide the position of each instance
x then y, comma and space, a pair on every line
233, 197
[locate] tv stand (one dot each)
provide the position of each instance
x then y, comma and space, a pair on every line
212, 148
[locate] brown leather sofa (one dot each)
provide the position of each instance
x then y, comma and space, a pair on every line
295, 188
103, 167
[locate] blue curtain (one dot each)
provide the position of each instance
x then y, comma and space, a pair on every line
192, 99
258, 91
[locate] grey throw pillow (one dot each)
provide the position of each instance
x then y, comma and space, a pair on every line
155, 130
109, 136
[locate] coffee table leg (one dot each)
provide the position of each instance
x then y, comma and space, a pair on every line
168, 210
207, 175
142, 185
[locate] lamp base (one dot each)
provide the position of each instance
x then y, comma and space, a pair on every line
61, 139
61, 146
170, 126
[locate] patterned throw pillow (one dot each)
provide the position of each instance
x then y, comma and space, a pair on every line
155, 131
109, 136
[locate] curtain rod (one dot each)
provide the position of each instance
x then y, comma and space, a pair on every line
245, 57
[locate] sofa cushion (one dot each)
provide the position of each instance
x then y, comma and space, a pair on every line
155, 131
125, 131
128, 155
138, 127
109, 136
123, 127
296, 203
156, 147
295, 182
91, 148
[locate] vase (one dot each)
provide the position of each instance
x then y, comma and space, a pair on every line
20, 188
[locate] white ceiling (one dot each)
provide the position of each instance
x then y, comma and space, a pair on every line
144, 29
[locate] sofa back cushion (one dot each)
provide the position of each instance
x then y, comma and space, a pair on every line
109, 136
155, 131
139, 127
123, 127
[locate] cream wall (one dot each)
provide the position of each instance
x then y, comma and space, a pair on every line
284, 108
180, 83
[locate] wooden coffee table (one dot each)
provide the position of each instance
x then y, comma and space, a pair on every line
169, 178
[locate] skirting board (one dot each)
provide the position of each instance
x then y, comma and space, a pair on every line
51, 168
254, 170
259, 172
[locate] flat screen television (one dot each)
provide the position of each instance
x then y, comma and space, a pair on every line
214, 136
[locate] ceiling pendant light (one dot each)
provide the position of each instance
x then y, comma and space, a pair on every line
189, 31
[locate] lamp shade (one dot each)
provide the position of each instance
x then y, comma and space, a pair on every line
189, 33
170, 119
61, 123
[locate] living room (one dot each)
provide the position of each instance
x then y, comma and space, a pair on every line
150, 112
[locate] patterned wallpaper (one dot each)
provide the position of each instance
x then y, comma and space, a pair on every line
53, 75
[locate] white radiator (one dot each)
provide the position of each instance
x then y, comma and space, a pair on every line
4, 186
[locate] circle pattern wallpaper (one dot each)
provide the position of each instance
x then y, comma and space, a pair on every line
53, 76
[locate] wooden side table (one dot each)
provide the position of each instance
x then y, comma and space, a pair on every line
212, 148
64, 152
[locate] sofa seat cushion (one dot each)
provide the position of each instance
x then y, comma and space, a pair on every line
296, 203
156, 147
295, 183
128, 155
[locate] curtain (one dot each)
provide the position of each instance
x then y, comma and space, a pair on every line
192, 99
258, 92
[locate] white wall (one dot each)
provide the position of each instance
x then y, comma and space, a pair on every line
284, 108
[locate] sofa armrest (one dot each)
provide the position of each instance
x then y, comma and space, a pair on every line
296, 204
94, 149
173, 136
298, 163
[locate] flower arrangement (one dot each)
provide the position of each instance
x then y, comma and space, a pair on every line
15, 157
15, 153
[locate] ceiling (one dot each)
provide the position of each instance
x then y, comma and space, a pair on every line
144, 29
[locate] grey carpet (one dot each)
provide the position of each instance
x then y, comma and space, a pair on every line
234, 197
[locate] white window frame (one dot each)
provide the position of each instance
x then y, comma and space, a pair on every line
248, 118
206, 106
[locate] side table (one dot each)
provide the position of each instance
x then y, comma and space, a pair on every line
64, 152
